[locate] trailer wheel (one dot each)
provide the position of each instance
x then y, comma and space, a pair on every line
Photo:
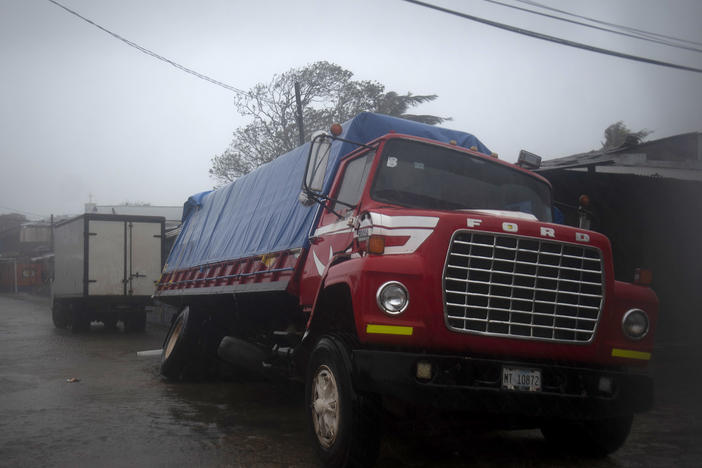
183, 356
135, 321
596, 438
344, 423
58, 315
80, 322
110, 323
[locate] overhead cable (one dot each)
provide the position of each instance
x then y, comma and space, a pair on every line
152, 53
557, 40
640, 36
643, 32
15, 210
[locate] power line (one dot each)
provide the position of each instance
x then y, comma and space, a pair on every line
557, 40
614, 25
14, 210
152, 53
640, 36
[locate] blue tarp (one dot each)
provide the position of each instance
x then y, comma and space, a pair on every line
260, 213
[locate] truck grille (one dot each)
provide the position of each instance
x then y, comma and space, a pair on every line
522, 287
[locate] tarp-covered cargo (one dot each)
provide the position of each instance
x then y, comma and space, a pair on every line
260, 213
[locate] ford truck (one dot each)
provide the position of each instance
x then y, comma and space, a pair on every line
393, 261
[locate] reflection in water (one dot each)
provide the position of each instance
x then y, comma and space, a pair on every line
251, 422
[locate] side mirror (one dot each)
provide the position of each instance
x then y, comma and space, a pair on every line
317, 162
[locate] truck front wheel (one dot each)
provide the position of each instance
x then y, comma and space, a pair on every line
596, 438
184, 356
58, 315
344, 423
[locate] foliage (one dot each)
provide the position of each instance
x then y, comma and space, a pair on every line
11, 221
328, 95
9, 231
618, 134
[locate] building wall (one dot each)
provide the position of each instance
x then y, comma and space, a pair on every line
652, 223
29, 276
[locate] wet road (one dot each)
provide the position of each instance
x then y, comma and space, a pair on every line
121, 413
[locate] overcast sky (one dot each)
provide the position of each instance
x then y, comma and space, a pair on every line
84, 115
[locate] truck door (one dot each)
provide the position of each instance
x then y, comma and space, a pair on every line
334, 234
106, 248
143, 258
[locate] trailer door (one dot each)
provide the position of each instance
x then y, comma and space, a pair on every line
106, 258
144, 257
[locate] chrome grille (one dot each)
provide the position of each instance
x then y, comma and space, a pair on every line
522, 287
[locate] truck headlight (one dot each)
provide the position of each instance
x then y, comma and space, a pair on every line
635, 324
392, 297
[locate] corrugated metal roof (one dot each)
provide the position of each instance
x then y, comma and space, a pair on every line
675, 157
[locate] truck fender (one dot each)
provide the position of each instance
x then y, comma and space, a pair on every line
342, 319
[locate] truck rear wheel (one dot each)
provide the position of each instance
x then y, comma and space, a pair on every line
183, 356
110, 323
135, 321
80, 322
596, 438
344, 424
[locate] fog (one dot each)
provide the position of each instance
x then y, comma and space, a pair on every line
85, 117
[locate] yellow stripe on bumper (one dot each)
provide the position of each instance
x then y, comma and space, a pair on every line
627, 353
389, 330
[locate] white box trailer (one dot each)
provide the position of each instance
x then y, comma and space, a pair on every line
105, 268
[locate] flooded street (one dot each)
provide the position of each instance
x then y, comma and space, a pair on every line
122, 413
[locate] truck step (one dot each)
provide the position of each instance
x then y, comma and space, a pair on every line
287, 338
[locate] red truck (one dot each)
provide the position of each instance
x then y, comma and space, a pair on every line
413, 266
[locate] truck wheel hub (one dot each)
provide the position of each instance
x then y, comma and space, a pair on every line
325, 408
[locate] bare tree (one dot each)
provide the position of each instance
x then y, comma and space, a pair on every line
328, 95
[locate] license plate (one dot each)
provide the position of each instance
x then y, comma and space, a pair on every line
521, 378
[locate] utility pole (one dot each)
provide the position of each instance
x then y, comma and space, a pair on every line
300, 126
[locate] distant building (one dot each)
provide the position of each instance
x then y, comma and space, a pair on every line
647, 198
25, 255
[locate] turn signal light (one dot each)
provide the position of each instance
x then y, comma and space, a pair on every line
643, 276
376, 244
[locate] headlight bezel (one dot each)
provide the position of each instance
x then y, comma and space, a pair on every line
379, 299
626, 326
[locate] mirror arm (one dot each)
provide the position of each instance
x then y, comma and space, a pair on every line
373, 146
321, 199
318, 197
337, 201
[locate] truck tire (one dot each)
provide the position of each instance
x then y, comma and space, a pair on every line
58, 315
344, 424
110, 323
596, 438
135, 321
183, 356
80, 322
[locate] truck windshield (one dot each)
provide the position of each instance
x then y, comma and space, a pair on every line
414, 174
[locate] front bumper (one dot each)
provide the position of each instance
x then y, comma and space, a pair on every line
460, 383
